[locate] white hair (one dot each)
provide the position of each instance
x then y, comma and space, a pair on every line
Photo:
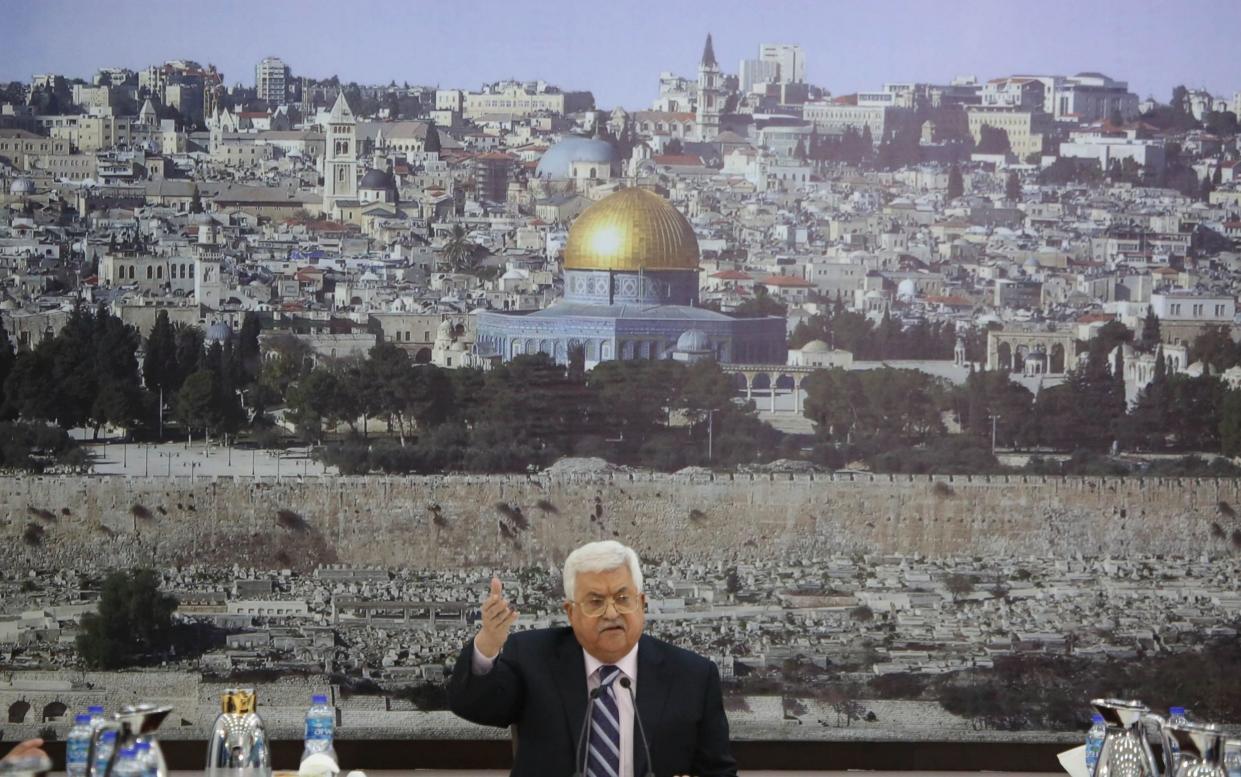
600, 557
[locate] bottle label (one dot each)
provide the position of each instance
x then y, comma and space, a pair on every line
319, 727
77, 750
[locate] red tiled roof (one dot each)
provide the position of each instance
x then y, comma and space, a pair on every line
732, 275
952, 301
679, 160
787, 281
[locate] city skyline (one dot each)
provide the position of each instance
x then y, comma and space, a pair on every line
580, 48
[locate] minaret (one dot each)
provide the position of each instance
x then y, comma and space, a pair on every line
710, 95
340, 163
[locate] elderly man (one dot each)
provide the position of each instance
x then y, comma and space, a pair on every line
541, 681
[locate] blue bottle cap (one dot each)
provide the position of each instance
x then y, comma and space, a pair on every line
1096, 718
142, 747
81, 719
318, 698
128, 752
95, 709
1176, 710
108, 736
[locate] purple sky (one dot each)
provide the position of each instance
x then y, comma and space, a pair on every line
617, 48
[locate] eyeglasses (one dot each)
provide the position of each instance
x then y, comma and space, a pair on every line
594, 605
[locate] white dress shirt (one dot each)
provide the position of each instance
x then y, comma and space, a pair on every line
628, 666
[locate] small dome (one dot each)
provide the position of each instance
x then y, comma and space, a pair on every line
906, 289
1031, 263
558, 160
377, 180
693, 341
218, 333
21, 186
815, 346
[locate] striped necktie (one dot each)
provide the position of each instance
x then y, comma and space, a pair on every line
604, 758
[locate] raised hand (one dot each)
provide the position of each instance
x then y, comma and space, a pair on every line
498, 619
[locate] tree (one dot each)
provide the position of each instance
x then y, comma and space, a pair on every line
1147, 425
196, 405
959, 585
431, 143
1012, 187
196, 201
761, 305
1194, 411
874, 408
956, 185
248, 348
1214, 347
313, 401
133, 621
459, 252
118, 398
1230, 424
993, 140
159, 365
7, 359
26, 390
1150, 336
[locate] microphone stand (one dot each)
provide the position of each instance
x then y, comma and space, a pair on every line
581, 755
646, 746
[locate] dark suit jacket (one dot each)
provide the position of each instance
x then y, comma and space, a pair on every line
539, 683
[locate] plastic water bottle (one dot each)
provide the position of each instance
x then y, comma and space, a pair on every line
148, 764
1232, 760
320, 728
77, 747
1094, 742
1176, 716
96, 715
103, 750
127, 764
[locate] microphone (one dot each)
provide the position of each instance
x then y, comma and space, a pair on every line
646, 746
581, 755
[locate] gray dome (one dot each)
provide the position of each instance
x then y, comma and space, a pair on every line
559, 159
21, 186
693, 341
218, 333
377, 179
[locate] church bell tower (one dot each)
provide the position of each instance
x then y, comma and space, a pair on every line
340, 162
710, 94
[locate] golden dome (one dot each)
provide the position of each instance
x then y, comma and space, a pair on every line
633, 229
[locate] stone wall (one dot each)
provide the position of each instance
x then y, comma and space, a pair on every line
452, 521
